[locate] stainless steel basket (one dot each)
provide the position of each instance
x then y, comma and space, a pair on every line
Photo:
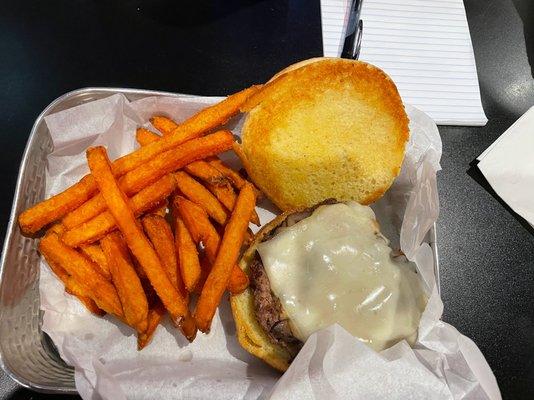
27, 355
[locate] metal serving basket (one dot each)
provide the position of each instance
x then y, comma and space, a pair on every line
27, 354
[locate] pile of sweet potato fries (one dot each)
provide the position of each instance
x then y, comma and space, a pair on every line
137, 237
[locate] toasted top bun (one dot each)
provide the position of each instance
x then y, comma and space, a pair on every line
324, 128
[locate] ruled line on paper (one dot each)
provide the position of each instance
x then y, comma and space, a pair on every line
424, 45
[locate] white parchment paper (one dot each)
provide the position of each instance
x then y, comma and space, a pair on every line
332, 364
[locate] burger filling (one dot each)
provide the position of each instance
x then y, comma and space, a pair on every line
269, 311
330, 265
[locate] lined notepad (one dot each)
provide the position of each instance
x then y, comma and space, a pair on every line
424, 45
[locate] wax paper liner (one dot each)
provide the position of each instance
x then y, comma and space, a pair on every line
332, 364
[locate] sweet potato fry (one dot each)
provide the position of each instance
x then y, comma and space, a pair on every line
197, 125
126, 281
160, 209
84, 271
215, 181
58, 228
148, 173
144, 136
155, 315
85, 212
163, 124
238, 280
237, 180
225, 194
104, 223
207, 173
225, 261
138, 243
159, 232
198, 194
95, 254
188, 254
75, 288
218, 184
50, 210
197, 222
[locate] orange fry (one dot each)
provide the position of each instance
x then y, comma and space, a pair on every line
74, 288
144, 136
197, 125
238, 280
54, 208
103, 223
234, 234
83, 271
163, 124
141, 248
207, 173
159, 232
188, 254
219, 185
198, 194
216, 182
155, 315
148, 173
197, 222
160, 209
95, 254
125, 279
237, 180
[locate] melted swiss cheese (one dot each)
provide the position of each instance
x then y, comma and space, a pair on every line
335, 267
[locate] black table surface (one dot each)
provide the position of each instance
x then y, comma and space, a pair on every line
218, 47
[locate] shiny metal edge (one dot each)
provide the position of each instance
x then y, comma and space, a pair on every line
12, 225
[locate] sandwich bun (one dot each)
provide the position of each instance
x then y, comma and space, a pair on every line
324, 128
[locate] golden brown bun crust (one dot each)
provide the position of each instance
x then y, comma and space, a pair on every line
250, 334
325, 128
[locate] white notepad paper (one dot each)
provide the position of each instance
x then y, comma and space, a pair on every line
424, 45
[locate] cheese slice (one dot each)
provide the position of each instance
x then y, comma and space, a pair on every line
336, 267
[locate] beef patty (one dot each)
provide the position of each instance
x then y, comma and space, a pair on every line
269, 311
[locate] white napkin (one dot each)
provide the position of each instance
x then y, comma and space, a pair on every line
425, 46
508, 165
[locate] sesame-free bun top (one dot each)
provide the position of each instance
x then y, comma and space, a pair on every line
325, 128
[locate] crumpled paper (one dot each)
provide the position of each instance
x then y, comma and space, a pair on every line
332, 364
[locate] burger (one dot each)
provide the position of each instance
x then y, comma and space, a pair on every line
323, 139
320, 266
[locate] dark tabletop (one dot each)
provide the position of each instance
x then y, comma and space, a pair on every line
218, 47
